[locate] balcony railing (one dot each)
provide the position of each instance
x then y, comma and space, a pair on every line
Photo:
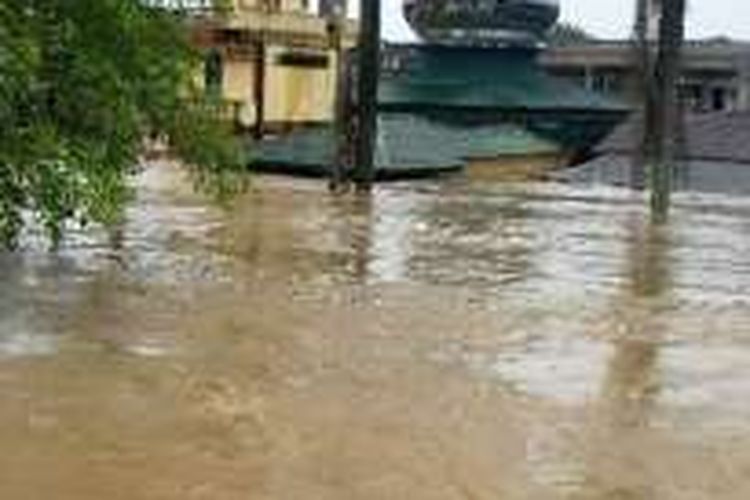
272, 24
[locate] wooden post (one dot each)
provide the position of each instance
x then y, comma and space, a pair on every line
367, 93
259, 87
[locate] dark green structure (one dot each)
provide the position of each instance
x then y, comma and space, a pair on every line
441, 106
472, 86
409, 145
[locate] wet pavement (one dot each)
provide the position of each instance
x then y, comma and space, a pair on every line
435, 340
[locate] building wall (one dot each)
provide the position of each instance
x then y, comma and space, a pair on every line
716, 76
239, 82
300, 66
298, 93
294, 94
534, 166
272, 5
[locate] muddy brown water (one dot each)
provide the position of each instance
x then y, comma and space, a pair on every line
435, 340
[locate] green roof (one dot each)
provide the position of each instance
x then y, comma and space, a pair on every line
406, 139
407, 144
445, 105
488, 79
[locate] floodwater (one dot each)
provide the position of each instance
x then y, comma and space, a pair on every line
435, 340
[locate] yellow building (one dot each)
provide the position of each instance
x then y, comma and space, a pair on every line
273, 61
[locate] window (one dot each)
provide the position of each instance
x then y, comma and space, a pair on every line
303, 59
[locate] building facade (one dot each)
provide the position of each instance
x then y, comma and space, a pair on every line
715, 72
273, 62
715, 77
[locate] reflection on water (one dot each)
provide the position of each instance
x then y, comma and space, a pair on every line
431, 340
630, 388
630, 385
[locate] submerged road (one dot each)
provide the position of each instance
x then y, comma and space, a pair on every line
436, 340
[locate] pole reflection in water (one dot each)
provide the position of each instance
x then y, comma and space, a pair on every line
630, 386
619, 469
358, 215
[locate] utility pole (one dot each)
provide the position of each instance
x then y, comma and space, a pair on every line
643, 88
335, 13
665, 117
659, 34
259, 88
368, 63
259, 74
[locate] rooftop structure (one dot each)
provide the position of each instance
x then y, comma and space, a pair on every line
714, 157
482, 22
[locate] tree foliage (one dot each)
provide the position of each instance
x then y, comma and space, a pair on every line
82, 82
563, 34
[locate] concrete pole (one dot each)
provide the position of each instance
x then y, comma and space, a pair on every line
664, 121
259, 87
259, 76
336, 25
643, 90
368, 63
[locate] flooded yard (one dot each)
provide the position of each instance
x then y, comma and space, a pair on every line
435, 340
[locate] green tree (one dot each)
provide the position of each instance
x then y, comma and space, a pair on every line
563, 34
82, 82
